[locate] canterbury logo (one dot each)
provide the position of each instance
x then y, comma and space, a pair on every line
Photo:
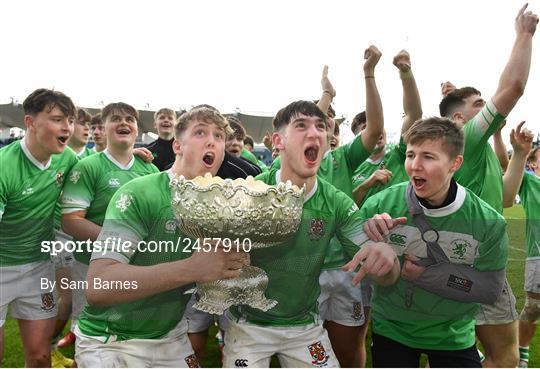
397, 238
241, 363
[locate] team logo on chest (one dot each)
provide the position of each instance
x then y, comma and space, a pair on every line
123, 202
59, 178
316, 229
318, 354
459, 248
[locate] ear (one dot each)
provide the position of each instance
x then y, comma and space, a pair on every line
458, 160
29, 121
277, 140
458, 117
177, 147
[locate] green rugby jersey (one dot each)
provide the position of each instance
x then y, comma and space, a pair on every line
393, 160
85, 153
337, 167
29, 192
471, 232
481, 171
529, 194
93, 181
246, 154
140, 211
294, 266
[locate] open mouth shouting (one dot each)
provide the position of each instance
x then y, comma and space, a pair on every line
311, 154
123, 131
63, 140
419, 183
208, 159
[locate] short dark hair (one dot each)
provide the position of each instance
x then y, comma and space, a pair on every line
455, 100
436, 128
42, 99
119, 107
96, 119
165, 111
83, 115
284, 116
238, 129
248, 140
358, 120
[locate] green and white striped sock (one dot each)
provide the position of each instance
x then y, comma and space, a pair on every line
524, 354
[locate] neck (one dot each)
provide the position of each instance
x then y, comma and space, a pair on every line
122, 155
377, 155
36, 149
166, 136
289, 175
439, 198
100, 147
76, 146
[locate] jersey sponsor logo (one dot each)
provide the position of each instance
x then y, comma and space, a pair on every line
114, 182
318, 354
316, 230
192, 361
459, 248
28, 191
397, 239
74, 176
59, 178
459, 283
47, 301
241, 363
124, 202
170, 226
357, 311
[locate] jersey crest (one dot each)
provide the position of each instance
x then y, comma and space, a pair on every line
316, 229
74, 176
459, 248
59, 178
124, 202
318, 354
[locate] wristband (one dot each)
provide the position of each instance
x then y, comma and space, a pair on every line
405, 75
369, 77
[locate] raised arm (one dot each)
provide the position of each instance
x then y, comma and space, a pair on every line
329, 92
500, 148
374, 112
516, 72
412, 105
521, 140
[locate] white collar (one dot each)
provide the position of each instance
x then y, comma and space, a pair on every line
118, 164
374, 162
307, 196
327, 153
450, 208
31, 157
80, 152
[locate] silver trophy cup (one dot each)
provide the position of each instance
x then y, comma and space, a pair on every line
243, 214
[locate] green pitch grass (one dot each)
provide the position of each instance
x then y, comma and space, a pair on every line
13, 353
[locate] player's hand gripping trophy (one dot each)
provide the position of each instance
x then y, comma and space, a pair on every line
237, 215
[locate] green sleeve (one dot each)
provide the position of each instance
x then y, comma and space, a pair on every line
493, 251
249, 156
276, 164
349, 225
79, 188
355, 153
125, 220
479, 129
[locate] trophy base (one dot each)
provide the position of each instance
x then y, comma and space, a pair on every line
247, 289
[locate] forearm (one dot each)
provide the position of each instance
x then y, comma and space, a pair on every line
500, 150
512, 178
80, 228
144, 280
514, 76
360, 192
325, 101
374, 113
412, 104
